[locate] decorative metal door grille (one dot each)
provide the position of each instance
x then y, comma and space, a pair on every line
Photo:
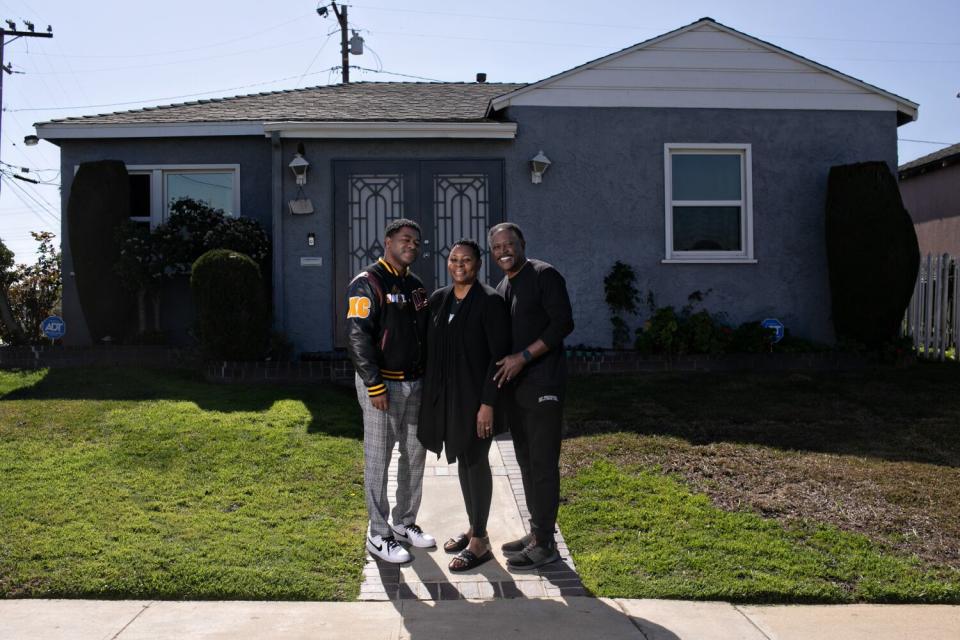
373, 200
461, 208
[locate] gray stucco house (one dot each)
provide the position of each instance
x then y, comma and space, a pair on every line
929, 186
700, 157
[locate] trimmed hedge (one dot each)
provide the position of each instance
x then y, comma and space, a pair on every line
872, 252
231, 305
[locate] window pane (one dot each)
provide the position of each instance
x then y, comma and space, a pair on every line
706, 176
706, 229
214, 189
139, 195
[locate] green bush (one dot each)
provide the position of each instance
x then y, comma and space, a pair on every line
670, 332
872, 253
751, 337
231, 305
622, 298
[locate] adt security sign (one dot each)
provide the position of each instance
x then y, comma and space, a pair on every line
776, 325
53, 327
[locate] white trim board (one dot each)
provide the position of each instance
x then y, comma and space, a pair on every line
80, 130
380, 130
364, 130
707, 65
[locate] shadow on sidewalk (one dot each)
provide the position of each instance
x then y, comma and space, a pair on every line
511, 614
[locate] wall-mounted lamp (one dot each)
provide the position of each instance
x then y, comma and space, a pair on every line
31, 140
299, 166
538, 165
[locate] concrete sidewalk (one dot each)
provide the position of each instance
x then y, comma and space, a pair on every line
555, 618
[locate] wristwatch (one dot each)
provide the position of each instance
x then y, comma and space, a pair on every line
527, 356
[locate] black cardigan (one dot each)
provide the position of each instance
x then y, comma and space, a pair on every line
461, 361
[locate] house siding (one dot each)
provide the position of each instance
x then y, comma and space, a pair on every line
602, 200
933, 200
251, 153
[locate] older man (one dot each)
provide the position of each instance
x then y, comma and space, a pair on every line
536, 375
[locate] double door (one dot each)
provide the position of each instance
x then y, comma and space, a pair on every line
449, 199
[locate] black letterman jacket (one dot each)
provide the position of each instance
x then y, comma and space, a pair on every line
386, 326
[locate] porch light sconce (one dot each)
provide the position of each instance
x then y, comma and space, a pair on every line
299, 166
538, 165
301, 205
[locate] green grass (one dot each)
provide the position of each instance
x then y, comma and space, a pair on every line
133, 484
802, 487
640, 534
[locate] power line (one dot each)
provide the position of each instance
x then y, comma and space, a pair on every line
925, 141
186, 95
176, 62
258, 34
17, 191
512, 18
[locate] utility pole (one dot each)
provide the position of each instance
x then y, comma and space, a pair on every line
341, 13
6, 313
11, 30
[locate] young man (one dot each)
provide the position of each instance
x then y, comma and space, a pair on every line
386, 327
541, 317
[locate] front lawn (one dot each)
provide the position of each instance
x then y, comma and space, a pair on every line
827, 487
138, 484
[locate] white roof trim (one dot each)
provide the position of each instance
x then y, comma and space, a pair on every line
904, 106
78, 130
380, 130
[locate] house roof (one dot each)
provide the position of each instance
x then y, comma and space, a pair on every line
931, 162
699, 64
354, 102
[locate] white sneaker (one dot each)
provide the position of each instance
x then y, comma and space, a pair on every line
388, 549
414, 535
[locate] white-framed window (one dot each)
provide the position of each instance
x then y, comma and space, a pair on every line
153, 188
708, 203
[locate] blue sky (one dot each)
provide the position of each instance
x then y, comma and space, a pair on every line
112, 56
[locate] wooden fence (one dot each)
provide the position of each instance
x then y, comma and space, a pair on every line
932, 318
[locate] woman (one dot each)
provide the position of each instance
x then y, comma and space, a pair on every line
469, 331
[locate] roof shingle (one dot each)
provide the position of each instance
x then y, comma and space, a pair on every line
359, 101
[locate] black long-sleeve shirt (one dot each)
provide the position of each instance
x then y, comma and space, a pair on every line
539, 308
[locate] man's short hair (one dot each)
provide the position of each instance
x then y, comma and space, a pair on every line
505, 226
472, 244
396, 225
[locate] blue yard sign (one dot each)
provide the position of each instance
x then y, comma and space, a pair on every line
53, 327
777, 326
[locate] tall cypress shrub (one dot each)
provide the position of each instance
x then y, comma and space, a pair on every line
99, 203
231, 305
872, 252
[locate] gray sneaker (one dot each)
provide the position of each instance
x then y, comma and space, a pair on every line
533, 556
516, 546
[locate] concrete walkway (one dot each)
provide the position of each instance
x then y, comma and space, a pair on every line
424, 600
442, 514
575, 618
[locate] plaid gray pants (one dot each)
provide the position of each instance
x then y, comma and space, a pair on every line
381, 430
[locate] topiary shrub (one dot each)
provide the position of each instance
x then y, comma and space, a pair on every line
872, 252
99, 203
231, 305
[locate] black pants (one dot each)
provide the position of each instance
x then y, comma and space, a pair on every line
536, 425
476, 483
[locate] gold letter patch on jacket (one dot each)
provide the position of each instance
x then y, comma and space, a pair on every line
359, 307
